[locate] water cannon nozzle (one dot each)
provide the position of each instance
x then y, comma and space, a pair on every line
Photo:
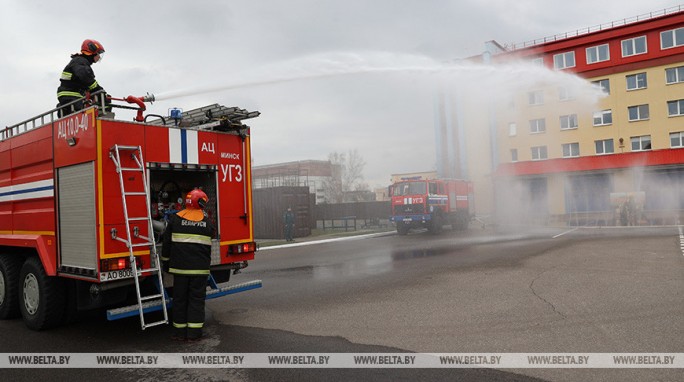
141, 106
148, 98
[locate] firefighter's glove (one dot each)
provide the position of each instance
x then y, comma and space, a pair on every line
165, 266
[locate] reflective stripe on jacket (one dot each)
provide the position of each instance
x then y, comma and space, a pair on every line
187, 245
77, 78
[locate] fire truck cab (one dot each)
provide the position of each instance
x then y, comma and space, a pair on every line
431, 204
84, 199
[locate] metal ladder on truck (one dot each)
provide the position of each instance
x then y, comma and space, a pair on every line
151, 302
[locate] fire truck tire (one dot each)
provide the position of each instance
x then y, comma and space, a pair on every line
42, 297
10, 264
436, 223
462, 221
402, 228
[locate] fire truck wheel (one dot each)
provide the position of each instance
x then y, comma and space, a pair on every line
402, 228
9, 285
462, 221
41, 296
436, 223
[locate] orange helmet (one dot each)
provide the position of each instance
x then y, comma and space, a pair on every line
195, 201
91, 47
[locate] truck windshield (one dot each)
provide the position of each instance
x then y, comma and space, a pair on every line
409, 188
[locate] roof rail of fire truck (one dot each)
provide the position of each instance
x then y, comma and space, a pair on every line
29, 124
41, 119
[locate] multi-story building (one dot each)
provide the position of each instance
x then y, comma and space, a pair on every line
619, 160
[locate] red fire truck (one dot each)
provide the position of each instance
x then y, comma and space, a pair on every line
84, 198
431, 204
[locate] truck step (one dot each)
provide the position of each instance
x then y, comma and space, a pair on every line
154, 306
220, 292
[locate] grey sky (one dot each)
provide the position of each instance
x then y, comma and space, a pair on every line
166, 46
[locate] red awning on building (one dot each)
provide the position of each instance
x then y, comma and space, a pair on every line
593, 163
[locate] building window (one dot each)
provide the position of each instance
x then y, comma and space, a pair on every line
674, 75
564, 60
675, 108
539, 153
537, 125
636, 81
570, 150
641, 143
568, 122
565, 94
604, 146
538, 61
677, 139
597, 54
672, 38
512, 129
514, 155
604, 117
536, 97
634, 46
603, 84
638, 113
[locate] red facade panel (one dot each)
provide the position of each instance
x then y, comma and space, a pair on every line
613, 37
594, 163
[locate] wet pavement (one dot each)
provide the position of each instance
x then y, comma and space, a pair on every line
548, 290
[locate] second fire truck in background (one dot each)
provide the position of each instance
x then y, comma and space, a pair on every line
431, 204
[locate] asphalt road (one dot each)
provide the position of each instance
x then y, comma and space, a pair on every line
547, 291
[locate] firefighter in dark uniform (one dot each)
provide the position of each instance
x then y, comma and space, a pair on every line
78, 78
187, 250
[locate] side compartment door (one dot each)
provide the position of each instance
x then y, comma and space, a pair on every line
234, 188
77, 224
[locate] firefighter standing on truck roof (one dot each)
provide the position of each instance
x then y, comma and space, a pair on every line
187, 249
78, 77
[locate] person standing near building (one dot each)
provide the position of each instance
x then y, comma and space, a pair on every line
289, 221
78, 77
186, 247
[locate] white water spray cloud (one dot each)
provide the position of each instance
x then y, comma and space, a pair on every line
489, 80
380, 103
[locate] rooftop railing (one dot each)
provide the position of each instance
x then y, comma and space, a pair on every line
595, 28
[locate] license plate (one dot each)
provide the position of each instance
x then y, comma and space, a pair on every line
116, 275
408, 220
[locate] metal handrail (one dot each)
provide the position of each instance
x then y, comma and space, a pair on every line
596, 28
31, 123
